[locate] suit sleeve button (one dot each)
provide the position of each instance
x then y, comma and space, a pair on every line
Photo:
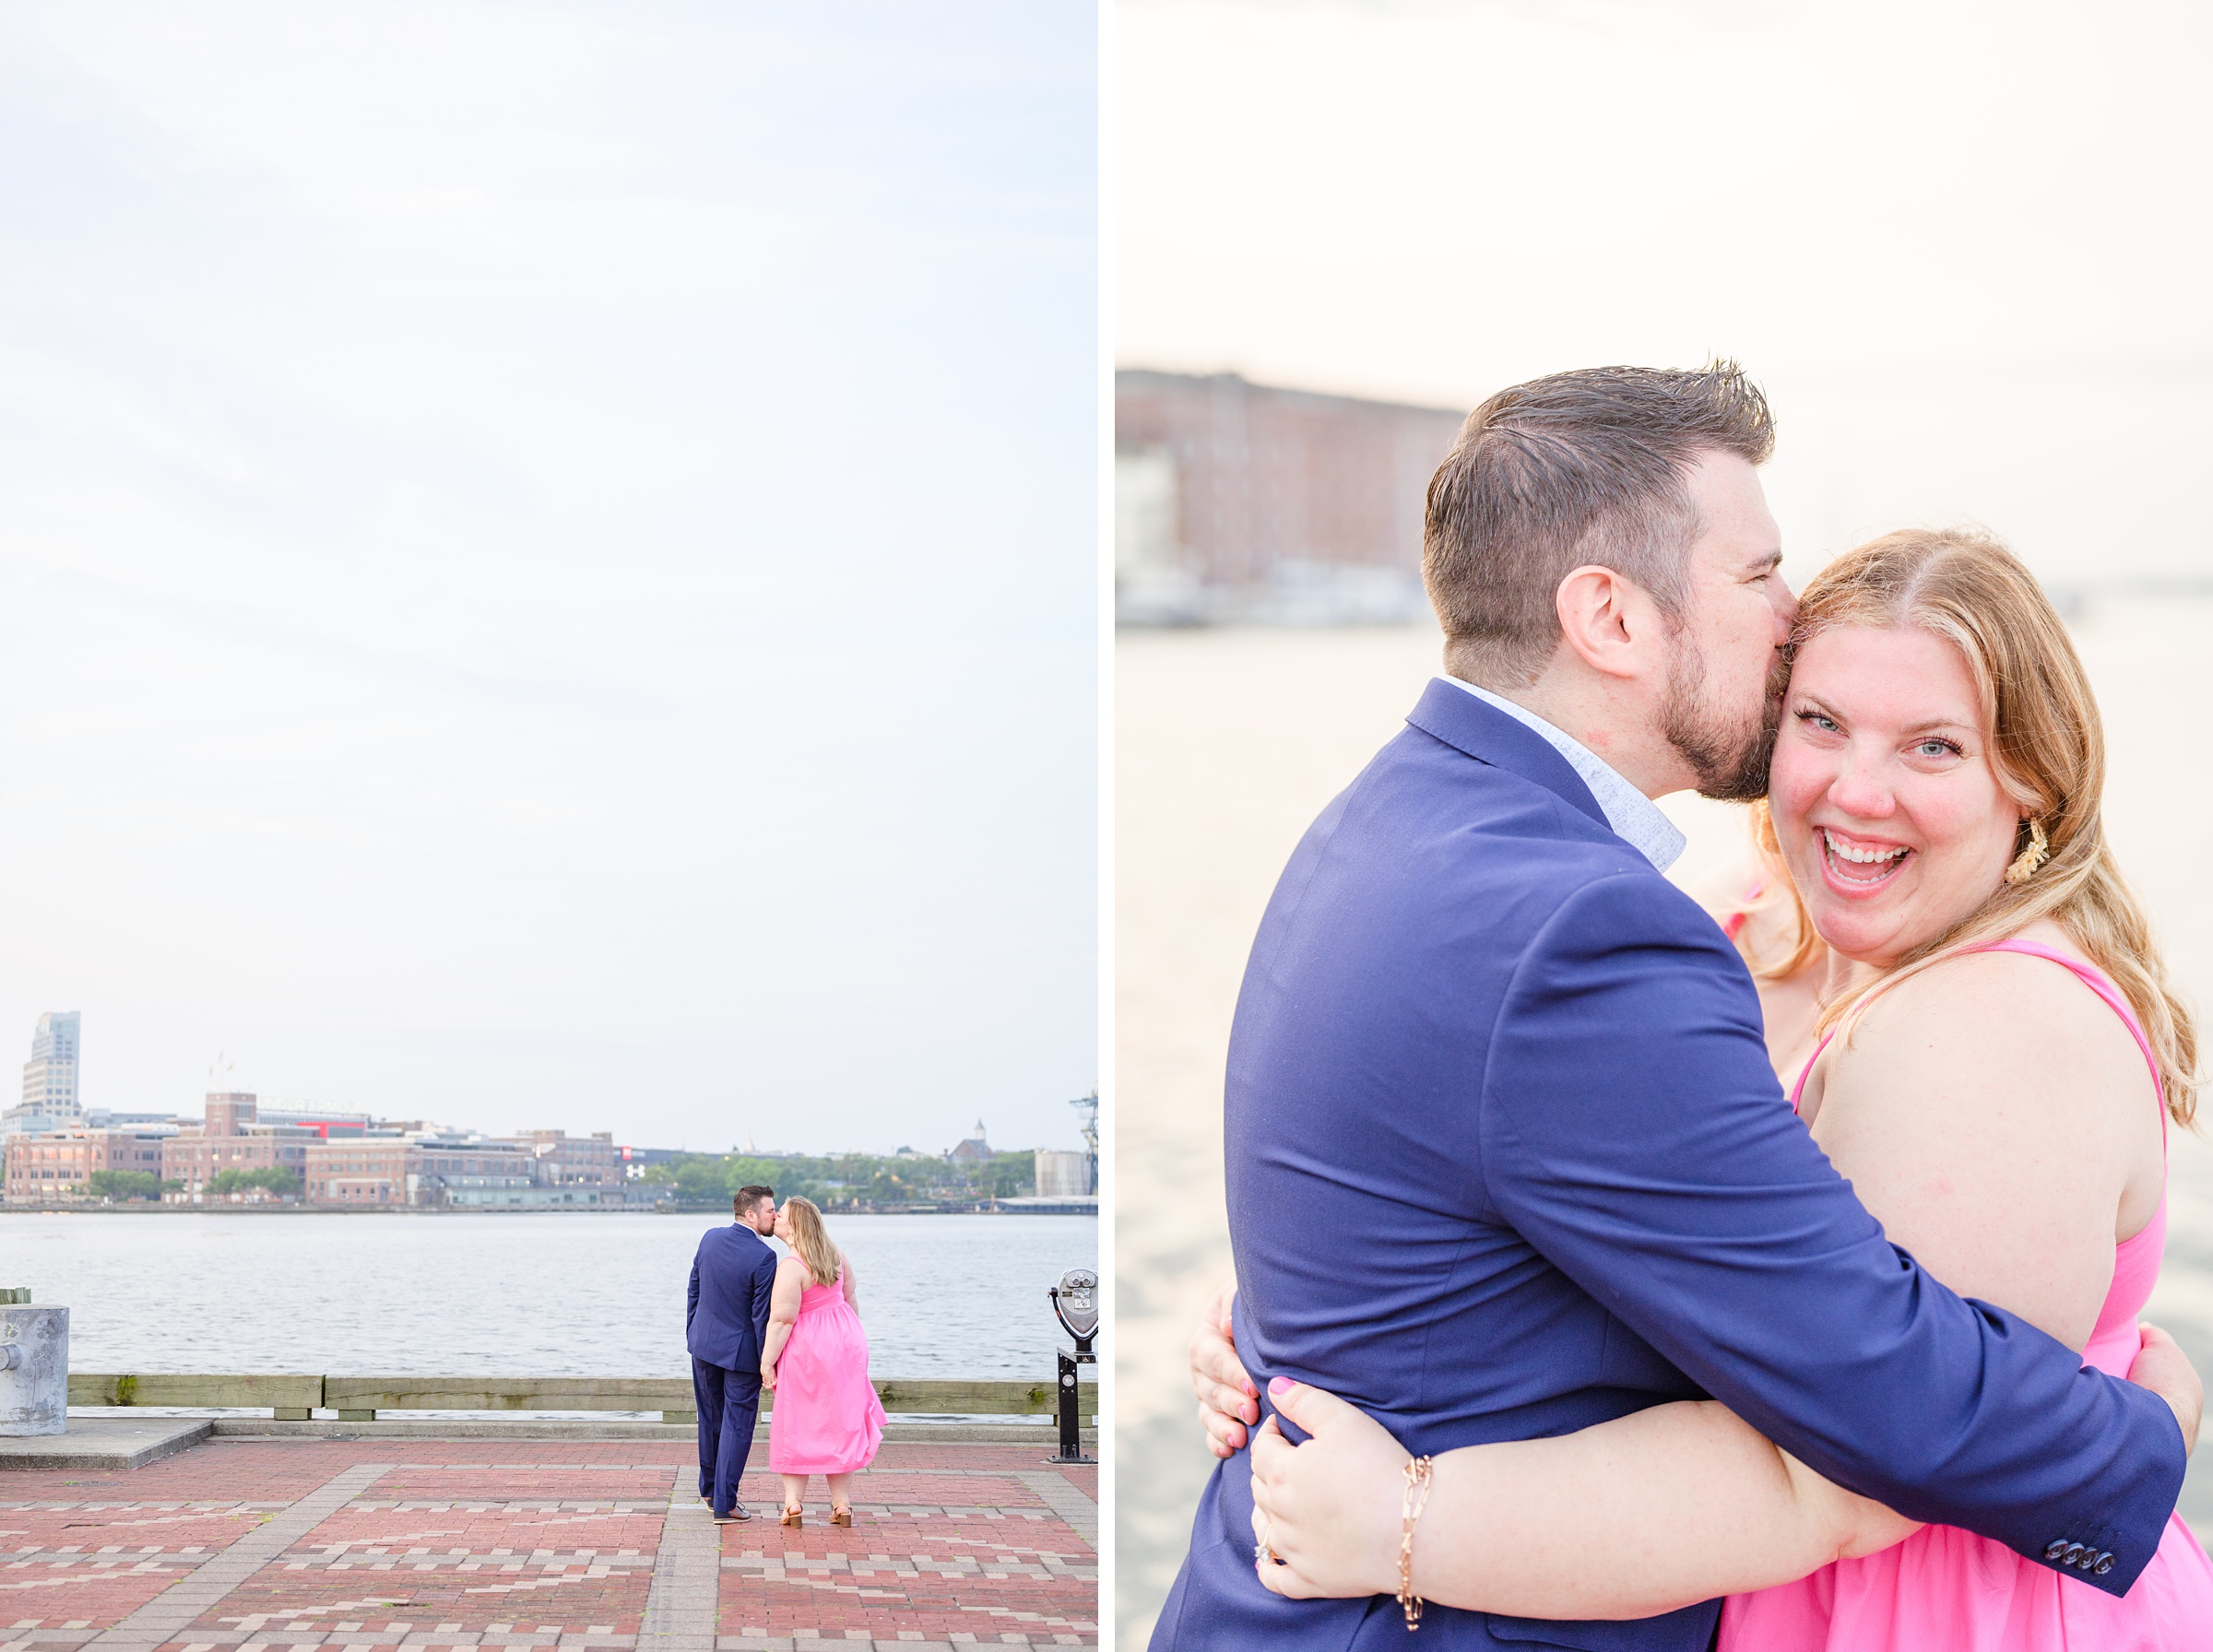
2105, 1564
2056, 1548
2072, 1556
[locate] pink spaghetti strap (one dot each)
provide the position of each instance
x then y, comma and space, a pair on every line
1806, 1071
2092, 978
2096, 981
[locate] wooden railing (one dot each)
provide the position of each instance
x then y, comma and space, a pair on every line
359, 1398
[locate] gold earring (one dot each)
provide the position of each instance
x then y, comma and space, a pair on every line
2033, 854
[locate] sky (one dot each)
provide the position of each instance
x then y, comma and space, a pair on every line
548, 575
1963, 245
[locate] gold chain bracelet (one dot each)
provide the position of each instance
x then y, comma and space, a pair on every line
1410, 1510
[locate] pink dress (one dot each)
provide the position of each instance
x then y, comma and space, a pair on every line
825, 1417
1948, 1590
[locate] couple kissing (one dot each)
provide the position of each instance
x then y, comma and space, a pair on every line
1618, 1268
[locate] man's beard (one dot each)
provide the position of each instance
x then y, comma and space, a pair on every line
1728, 755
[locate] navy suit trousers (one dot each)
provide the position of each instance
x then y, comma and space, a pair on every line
729, 1402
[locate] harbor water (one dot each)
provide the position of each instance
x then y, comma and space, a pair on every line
551, 1294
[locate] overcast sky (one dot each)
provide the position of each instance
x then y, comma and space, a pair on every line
1963, 245
547, 574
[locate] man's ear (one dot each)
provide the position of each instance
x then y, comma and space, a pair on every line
1607, 620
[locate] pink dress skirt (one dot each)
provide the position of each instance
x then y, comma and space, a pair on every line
1948, 1590
824, 1418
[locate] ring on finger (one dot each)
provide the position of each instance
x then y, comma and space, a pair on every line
1261, 1551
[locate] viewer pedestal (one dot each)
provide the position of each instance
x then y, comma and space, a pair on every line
34, 1370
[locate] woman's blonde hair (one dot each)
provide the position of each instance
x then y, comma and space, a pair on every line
2047, 746
810, 1239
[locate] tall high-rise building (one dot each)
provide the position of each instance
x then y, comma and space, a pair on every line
50, 1096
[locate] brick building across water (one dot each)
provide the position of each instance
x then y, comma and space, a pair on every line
42, 1168
543, 1169
1241, 501
336, 1162
232, 1137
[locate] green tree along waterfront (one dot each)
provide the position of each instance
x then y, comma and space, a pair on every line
274, 1177
863, 1182
128, 1184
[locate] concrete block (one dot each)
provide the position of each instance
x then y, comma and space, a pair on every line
102, 1442
34, 1371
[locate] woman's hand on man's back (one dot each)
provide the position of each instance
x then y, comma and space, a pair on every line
1227, 1400
2166, 1370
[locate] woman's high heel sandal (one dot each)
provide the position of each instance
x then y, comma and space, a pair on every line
792, 1516
841, 1516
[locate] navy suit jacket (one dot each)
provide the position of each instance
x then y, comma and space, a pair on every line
1507, 1159
725, 1308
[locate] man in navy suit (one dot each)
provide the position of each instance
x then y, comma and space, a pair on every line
726, 1321
1506, 1155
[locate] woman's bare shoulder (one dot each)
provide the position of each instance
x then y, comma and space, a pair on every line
2011, 1014
2007, 988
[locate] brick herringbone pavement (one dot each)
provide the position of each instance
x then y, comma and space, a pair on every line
375, 1546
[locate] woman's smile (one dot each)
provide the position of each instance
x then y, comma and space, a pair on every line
1857, 864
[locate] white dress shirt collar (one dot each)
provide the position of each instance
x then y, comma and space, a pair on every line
1635, 818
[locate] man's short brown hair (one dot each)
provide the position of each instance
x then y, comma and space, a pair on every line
1579, 468
745, 1200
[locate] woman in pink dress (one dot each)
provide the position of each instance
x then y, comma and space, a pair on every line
826, 1419
1982, 1038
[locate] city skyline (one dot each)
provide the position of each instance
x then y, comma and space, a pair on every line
239, 1152
56, 1037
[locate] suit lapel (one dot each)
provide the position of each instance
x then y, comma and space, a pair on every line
1489, 736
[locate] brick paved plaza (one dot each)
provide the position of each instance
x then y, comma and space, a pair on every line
262, 1545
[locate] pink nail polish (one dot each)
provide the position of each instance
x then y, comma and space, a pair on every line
1279, 1385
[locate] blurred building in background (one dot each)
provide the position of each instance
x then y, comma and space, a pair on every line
59, 1165
1064, 1173
238, 1153
566, 1160
50, 1093
232, 1135
1242, 503
976, 1148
